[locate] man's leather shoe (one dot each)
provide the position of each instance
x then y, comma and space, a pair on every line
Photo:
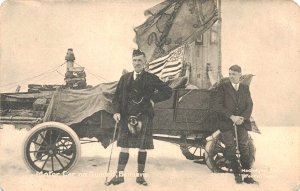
238, 178
141, 180
116, 180
250, 180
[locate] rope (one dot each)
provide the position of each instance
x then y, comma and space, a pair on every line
33, 77
97, 76
12, 84
60, 73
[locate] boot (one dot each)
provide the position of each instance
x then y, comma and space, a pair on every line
141, 180
141, 168
119, 177
238, 178
249, 179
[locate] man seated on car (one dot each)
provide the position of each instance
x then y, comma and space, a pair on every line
235, 104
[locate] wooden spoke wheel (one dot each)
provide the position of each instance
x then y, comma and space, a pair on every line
193, 149
51, 147
192, 152
214, 154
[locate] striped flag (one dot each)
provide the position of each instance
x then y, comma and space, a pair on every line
169, 65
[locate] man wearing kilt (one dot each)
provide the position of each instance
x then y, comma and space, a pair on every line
133, 103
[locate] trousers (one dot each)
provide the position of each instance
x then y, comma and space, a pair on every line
228, 138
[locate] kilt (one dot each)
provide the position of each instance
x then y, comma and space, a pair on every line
142, 140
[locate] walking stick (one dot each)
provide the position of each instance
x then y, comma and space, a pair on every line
112, 146
237, 147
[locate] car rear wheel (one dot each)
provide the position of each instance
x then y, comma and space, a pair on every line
214, 153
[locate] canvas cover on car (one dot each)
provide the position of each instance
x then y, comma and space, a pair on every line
72, 106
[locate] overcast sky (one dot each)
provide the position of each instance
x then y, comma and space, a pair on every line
261, 36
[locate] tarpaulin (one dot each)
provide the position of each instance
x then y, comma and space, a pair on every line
173, 23
72, 106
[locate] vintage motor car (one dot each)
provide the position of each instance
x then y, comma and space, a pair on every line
61, 120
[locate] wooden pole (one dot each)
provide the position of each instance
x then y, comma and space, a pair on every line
219, 76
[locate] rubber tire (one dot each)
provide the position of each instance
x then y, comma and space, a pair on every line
64, 127
209, 151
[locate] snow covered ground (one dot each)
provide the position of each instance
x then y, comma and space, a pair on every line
277, 166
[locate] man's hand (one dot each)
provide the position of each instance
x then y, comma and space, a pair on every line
117, 117
152, 102
238, 120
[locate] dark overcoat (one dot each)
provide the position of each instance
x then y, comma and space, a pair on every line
231, 102
151, 88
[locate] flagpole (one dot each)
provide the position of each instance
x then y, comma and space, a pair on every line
185, 64
219, 39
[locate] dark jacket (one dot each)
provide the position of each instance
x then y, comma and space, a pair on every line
153, 88
231, 102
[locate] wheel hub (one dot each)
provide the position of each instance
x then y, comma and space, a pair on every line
51, 150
